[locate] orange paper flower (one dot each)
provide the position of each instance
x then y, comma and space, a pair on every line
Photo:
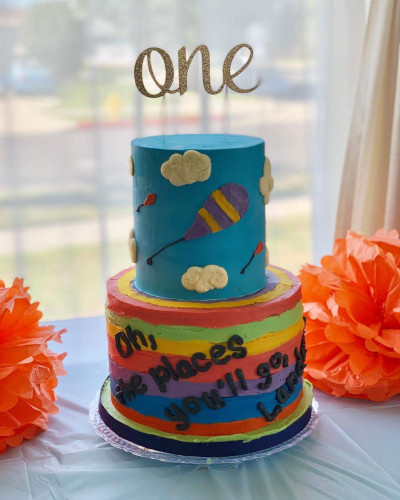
352, 307
28, 369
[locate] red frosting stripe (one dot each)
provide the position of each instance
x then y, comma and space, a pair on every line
125, 306
142, 361
218, 429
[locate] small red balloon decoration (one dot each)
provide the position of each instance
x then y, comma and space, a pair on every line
150, 199
259, 248
28, 369
352, 307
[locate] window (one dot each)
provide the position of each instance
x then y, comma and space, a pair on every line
69, 109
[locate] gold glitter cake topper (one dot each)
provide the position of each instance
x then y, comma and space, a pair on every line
184, 64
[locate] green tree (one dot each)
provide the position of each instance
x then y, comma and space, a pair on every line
53, 34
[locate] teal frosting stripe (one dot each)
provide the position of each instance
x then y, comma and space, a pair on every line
185, 333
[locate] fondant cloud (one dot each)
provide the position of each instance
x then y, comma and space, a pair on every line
203, 279
266, 182
188, 168
132, 246
132, 167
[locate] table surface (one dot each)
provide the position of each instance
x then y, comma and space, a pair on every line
354, 452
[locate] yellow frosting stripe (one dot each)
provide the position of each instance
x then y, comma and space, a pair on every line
209, 219
273, 428
265, 343
225, 206
284, 285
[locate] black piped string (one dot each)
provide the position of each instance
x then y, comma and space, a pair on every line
150, 259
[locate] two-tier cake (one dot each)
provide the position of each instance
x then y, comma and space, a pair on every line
206, 346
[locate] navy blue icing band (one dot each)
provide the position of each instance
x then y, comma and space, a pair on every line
213, 449
235, 408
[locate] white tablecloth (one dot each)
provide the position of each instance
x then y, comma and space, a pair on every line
354, 453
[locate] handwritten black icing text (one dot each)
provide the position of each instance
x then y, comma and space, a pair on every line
183, 369
128, 340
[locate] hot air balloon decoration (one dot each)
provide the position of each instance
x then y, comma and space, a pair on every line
259, 248
224, 207
150, 199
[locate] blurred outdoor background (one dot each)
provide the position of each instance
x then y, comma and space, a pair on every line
69, 109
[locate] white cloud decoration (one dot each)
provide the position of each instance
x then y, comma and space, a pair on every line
266, 182
188, 168
132, 246
203, 279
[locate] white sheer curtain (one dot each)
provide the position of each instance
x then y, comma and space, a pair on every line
370, 191
341, 33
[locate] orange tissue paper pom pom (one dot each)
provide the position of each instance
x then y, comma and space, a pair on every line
352, 308
28, 369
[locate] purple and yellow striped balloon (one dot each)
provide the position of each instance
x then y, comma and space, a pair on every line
225, 206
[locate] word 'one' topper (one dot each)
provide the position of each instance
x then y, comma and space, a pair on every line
184, 64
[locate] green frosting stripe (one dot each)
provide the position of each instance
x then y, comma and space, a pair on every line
278, 426
185, 333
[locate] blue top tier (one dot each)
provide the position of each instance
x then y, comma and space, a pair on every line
208, 203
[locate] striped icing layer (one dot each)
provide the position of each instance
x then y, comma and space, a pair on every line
234, 408
143, 361
275, 427
184, 333
216, 429
205, 449
284, 284
192, 387
259, 345
269, 321
126, 302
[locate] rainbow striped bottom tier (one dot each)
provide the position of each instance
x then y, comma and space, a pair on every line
206, 378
